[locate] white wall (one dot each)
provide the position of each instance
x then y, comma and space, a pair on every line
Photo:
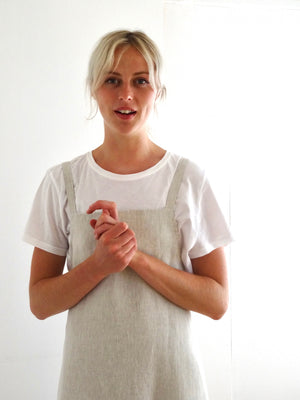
232, 104
45, 46
238, 98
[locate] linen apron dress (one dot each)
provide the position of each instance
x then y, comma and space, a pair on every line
125, 341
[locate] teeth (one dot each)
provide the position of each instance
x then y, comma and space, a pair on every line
125, 111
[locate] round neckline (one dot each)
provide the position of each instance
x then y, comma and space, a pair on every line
127, 177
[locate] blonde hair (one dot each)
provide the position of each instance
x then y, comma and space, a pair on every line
103, 57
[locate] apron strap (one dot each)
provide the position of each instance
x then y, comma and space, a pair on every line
176, 182
172, 195
69, 187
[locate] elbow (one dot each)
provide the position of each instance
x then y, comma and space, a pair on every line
220, 305
38, 311
218, 316
41, 317
220, 311
38, 304
216, 312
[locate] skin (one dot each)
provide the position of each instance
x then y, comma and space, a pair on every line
126, 149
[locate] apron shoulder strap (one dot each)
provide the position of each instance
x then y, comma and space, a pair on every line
176, 182
69, 187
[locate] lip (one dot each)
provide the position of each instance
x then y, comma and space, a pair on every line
125, 116
125, 108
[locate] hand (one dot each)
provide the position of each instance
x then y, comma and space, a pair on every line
116, 243
102, 224
110, 206
109, 210
115, 249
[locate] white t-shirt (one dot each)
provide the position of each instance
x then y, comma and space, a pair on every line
200, 221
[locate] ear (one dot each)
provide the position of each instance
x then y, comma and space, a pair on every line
158, 94
161, 93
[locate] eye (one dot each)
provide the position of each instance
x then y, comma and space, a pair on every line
112, 81
142, 82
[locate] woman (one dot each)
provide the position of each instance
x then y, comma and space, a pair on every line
143, 236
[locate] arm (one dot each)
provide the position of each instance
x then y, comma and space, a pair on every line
205, 291
52, 292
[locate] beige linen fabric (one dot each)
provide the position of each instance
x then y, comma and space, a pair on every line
124, 341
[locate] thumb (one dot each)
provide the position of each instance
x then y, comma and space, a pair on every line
93, 223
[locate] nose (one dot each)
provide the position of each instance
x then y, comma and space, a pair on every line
125, 93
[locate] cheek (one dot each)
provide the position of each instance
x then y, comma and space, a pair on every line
104, 104
102, 97
100, 106
150, 100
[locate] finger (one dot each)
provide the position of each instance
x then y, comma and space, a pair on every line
101, 229
115, 231
110, 206
105, 219
93, 223
130, 250
125, 238
128, 247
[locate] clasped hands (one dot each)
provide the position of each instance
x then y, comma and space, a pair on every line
116, 243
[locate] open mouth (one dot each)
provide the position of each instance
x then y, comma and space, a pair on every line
125, 112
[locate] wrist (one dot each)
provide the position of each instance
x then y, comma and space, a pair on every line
138, 261
93, 271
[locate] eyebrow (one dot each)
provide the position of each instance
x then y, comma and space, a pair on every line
136, 73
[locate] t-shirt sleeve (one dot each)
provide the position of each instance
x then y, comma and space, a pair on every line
202, 224
47, 225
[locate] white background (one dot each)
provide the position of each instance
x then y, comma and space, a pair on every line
232, 72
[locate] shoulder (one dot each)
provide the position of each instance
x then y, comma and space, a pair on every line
194, 176
194, 171
192, 167
55, 174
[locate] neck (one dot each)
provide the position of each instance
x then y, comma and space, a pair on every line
128, 156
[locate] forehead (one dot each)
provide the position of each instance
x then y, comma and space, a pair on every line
129, 58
